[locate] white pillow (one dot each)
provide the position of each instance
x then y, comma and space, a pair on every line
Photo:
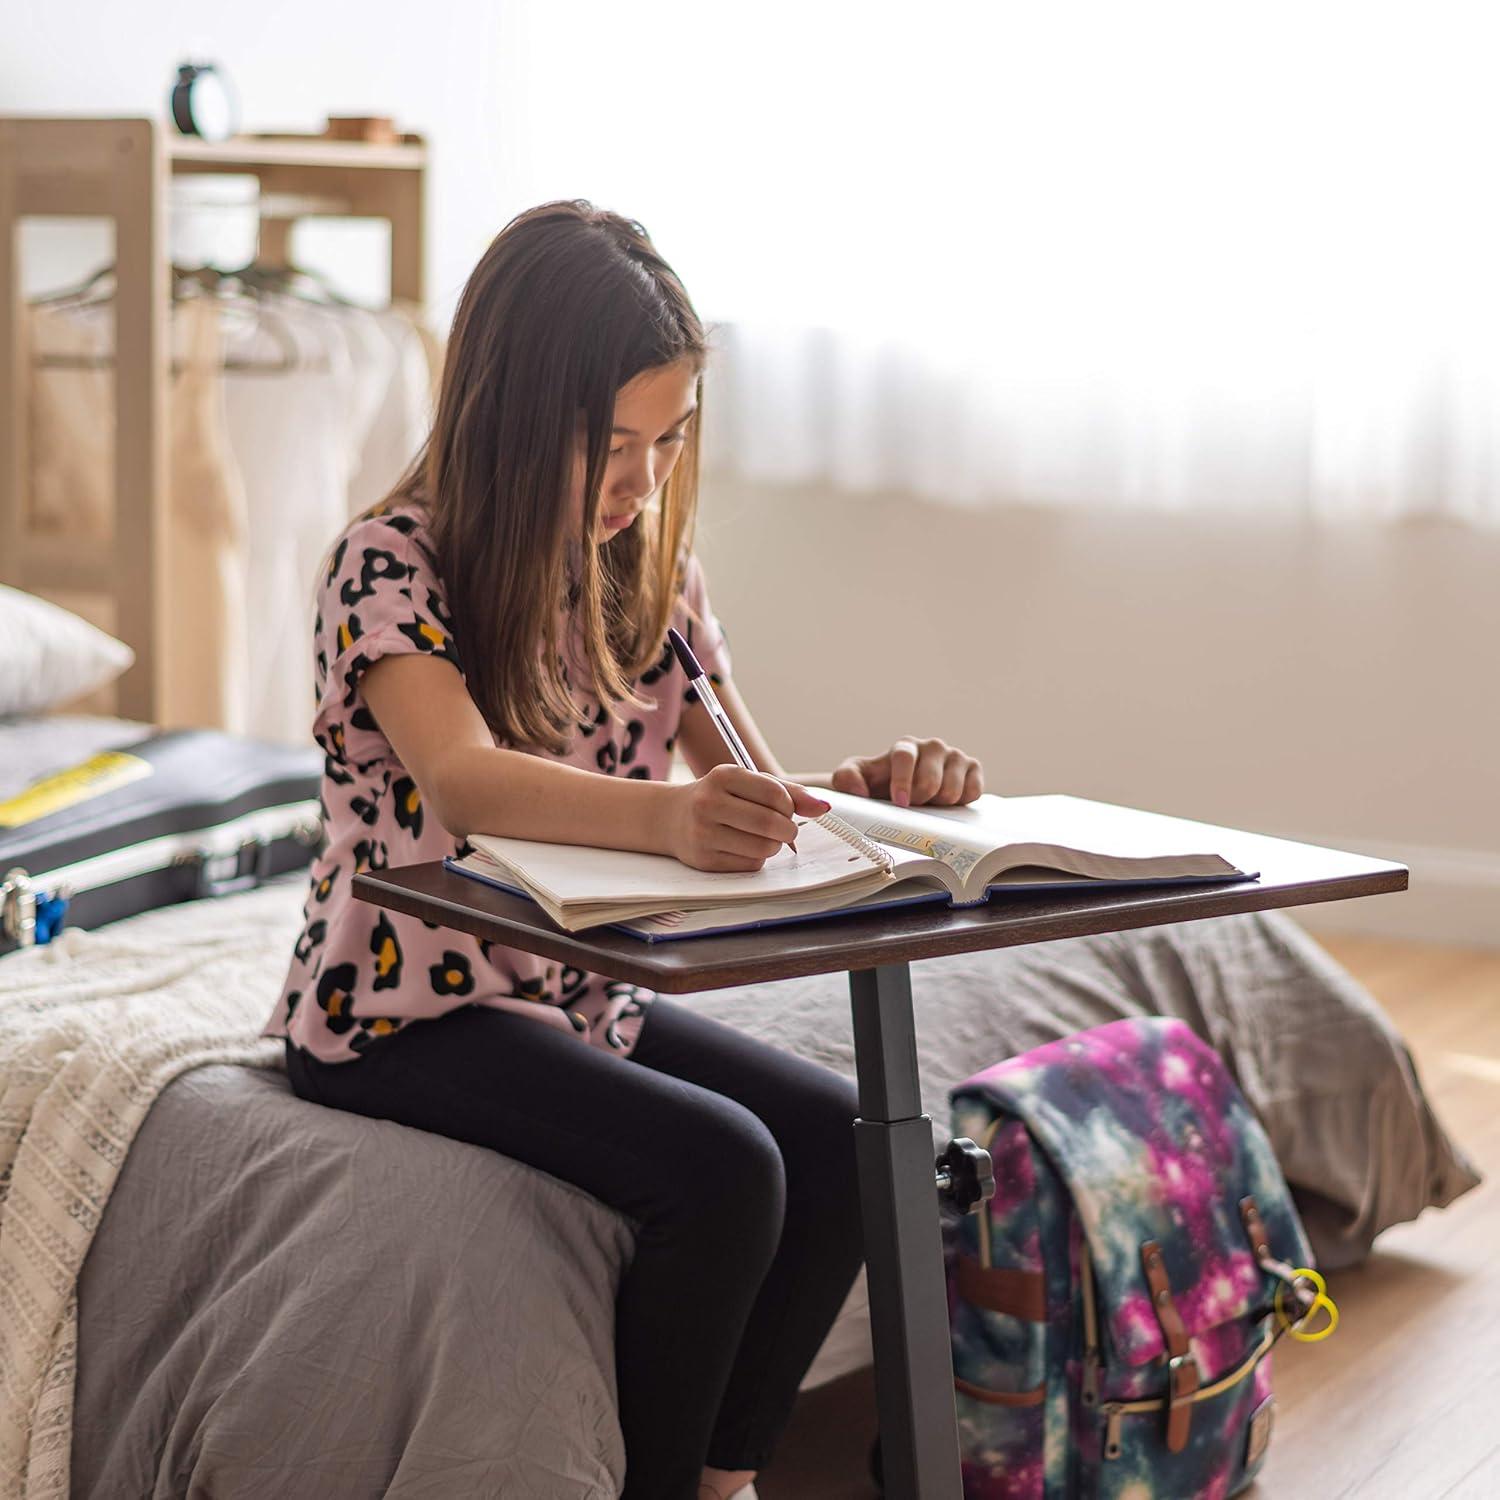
49, 655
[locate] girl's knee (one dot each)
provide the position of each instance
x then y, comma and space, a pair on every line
734, 1182
841, 1101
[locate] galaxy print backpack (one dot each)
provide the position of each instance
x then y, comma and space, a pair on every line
1114, 1304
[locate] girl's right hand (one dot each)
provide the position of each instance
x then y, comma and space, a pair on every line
734, 819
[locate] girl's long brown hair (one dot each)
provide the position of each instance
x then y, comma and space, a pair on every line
568, 304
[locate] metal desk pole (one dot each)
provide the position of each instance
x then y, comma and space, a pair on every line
903, 1245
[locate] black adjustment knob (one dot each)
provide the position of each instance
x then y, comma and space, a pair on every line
965, 1174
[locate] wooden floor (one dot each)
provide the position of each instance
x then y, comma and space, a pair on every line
1403, 1403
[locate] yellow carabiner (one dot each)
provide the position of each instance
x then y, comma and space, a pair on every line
1294, 1325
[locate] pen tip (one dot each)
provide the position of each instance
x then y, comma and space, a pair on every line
684, 653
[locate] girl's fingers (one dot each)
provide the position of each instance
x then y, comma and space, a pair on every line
806, 801
951, 788
757, 821
973, 783
903, 761
847, 777
928, 776
745, 845
753, 786
750, 803
728, 864
913, 772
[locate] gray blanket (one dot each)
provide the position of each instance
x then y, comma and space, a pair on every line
284, 1300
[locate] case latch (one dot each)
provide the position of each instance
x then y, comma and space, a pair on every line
18, 908
241, 869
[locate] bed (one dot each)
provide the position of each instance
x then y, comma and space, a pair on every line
282, 1299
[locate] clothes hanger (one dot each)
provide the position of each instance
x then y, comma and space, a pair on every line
187, 282
227, 289
81, 292
256, 280
294, 281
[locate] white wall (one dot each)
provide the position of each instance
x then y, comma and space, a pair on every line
1334, 685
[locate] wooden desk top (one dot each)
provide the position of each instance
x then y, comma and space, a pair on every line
1291, 874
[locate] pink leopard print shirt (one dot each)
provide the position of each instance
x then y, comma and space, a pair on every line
361, 972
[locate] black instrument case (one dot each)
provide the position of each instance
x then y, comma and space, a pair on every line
170, 818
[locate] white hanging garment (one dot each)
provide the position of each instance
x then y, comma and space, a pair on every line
371, 363
203, 662
434, 346
71, 416
321, 408
201, 658
290, 432
403, 417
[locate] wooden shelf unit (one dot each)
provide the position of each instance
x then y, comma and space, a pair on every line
119, 169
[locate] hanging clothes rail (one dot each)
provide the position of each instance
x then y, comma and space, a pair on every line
119, 169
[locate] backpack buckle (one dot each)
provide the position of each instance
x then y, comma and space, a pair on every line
1183, 1374
1183, 1379
1305, 1293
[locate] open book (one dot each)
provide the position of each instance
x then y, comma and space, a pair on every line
863, 854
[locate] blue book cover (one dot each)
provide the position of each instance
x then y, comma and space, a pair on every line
914, 898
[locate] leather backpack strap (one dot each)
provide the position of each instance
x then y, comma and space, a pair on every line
1302, 1291
1183, 1377
1018, 1294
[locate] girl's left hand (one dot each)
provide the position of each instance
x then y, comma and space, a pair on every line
912, 772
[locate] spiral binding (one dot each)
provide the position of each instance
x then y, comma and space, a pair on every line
856, 840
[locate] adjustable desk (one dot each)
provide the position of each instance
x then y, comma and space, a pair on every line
893, 1138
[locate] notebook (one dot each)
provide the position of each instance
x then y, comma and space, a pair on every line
865, 854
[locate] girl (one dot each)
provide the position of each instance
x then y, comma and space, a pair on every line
491, 657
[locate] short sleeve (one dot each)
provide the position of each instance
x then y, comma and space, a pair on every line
379, 596
703, 631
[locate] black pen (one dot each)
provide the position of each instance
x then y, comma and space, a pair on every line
698, 679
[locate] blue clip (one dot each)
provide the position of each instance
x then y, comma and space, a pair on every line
51, 914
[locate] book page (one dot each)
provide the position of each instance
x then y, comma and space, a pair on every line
1090, 827
575, 874
1093, 839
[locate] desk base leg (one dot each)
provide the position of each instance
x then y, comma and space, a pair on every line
903, 1246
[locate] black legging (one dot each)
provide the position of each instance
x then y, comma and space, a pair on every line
735, 1158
